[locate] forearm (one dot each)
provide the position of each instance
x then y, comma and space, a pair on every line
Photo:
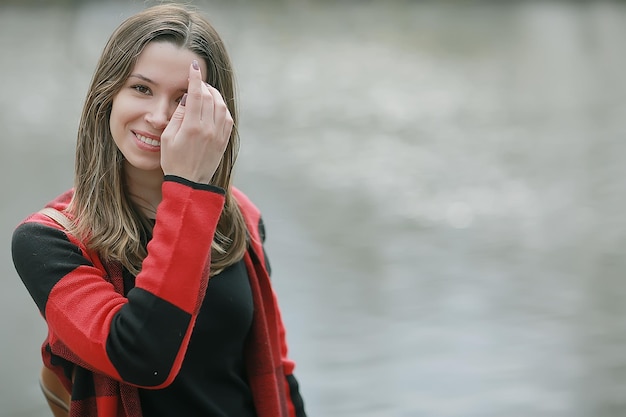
140, 339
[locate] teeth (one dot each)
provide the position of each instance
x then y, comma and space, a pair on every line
148, 140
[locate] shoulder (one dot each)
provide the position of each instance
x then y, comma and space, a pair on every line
60, 202
251, 214
245, 204
38, 227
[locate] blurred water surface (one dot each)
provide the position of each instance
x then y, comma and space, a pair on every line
443, 185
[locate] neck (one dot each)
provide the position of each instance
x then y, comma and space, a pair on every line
144, 188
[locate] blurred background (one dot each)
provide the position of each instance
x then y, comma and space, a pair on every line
443, 185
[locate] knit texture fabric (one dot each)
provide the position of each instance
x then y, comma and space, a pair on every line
274, 390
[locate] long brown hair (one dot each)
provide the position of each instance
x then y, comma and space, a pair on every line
105, 217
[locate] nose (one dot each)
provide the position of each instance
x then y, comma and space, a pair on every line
158, 116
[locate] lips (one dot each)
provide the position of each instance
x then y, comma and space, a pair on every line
148, 140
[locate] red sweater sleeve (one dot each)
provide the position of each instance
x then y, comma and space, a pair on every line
142, 338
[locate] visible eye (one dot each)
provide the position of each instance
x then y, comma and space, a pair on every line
140, 88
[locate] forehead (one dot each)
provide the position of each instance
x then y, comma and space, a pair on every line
165, 62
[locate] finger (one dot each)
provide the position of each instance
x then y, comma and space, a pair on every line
208, 105
223, 117
220, 110
176, 120
228, 127
193, 106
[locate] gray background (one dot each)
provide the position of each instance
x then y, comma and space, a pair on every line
443, 185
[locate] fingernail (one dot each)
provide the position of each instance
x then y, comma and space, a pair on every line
195, 65
183, 99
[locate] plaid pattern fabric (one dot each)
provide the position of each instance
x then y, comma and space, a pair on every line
273, 386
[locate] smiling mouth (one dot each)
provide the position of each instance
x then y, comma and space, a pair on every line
147, 140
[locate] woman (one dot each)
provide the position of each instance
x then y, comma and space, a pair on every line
157, 294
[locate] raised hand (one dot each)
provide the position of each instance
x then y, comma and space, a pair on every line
194, 141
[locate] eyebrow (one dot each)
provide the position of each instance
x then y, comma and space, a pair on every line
144, 78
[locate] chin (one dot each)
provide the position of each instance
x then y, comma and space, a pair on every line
145, 166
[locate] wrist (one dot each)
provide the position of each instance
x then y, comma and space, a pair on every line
194, 184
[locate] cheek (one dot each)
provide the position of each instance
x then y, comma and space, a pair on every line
115, 113
121, 113
118, 119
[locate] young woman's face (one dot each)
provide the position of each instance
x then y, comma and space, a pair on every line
142, 108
